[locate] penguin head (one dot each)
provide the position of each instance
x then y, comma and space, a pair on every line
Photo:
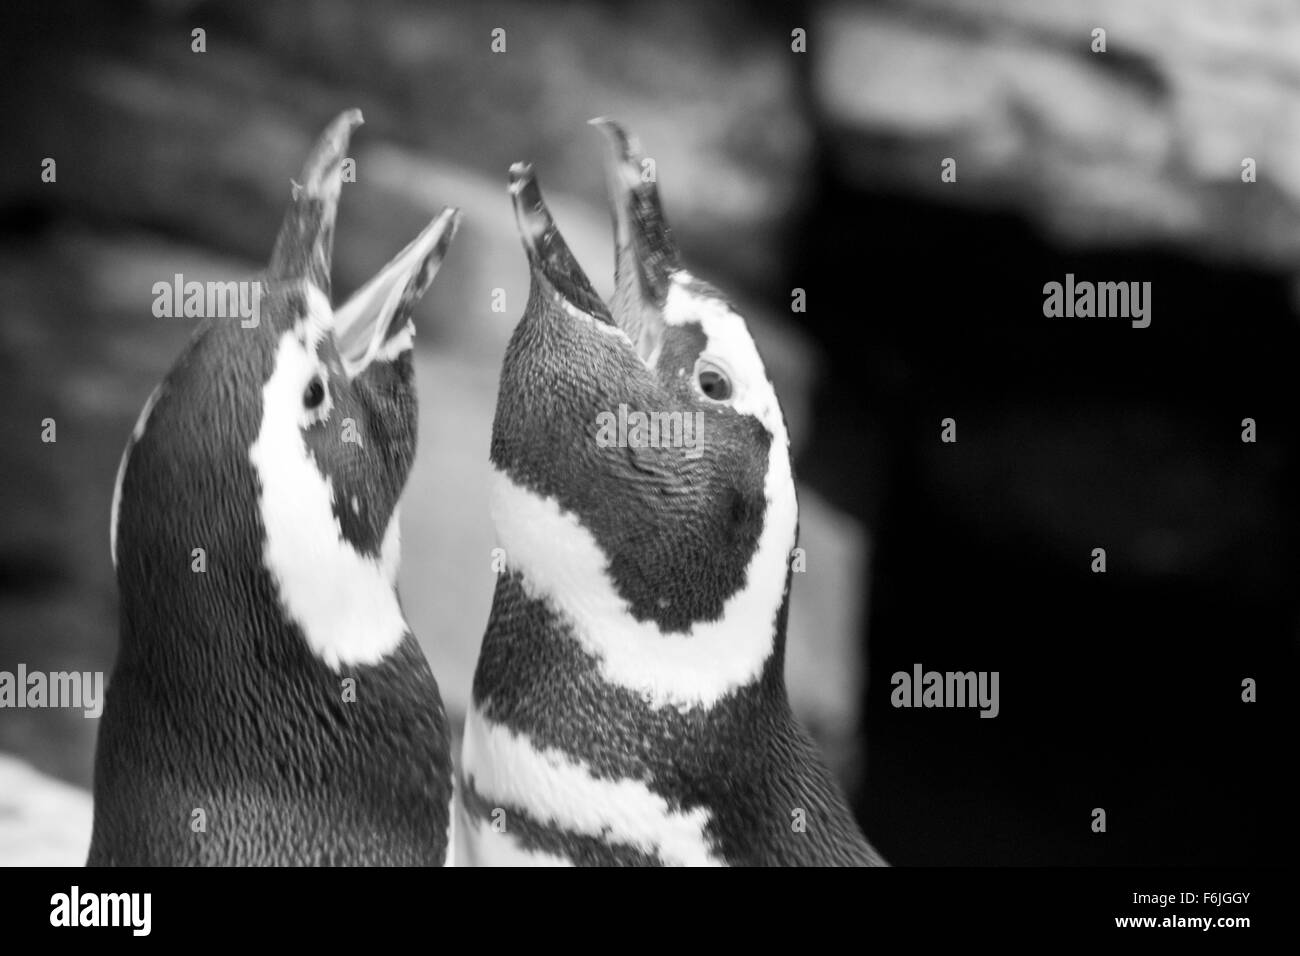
284, 441
652, 423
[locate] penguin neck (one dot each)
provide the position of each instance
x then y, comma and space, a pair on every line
578, 757
558, 561
244, 591
231, 616
537, 677
225, 706
233, 655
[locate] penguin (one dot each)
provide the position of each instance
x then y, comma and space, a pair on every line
269, 704
629, 704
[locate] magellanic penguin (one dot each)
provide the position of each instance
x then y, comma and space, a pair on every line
629, 703
269, 704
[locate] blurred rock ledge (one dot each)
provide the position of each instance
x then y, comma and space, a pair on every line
1141, 143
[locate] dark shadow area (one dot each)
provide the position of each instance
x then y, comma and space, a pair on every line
1119, 690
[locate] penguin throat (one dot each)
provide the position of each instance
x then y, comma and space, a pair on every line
344, 602
560, 562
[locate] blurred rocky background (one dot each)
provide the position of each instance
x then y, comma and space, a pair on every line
779, 169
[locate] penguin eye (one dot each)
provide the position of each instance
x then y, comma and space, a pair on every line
315, 393
714, 383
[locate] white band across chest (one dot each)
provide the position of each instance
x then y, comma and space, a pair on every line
553, 788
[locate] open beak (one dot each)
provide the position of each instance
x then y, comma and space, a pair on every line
370, 323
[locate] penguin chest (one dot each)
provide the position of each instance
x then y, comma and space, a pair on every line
522, 804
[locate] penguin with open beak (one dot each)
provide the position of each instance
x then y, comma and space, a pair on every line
269, 704
629, 703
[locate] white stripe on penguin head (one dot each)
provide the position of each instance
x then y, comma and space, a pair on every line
344, 602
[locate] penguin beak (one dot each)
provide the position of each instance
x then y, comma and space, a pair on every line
305, 246
645, 254
553, 266
304, 249
382, 307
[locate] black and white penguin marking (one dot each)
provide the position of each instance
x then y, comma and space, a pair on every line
629, 705
226, 736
